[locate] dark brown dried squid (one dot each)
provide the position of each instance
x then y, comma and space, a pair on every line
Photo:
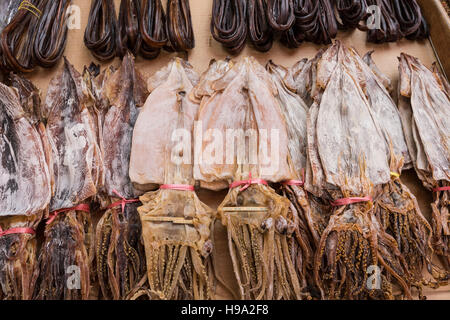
153, 28
314, 21
51, 33
351, 12
389, 28
102, 35
179, 26
129, 29
228, 24
280, 14
17, 39
412, 22
259, 30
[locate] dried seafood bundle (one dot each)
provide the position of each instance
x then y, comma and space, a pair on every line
424, 104
67, 252
259, 31
295, 111
176, 225
17, 38
153, 28
412, 23
280, 14
119, 250
35, 36
129, 26
315, 21
180, 34
351, 169
102, 31
351, 13
25, 188
397, 208
242, 99
51, 33
389, 29
228, 24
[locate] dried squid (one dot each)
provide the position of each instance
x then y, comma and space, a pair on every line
175, 223
301, 243
119, 249
241, 104
67, 252
356, 258
424, 104
25, 186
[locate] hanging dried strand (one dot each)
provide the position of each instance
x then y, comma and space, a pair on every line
153, 28
259, 30
51, 33
351, 13
129, 19
280, 14
228, 24
412, 22
17, 38
314, 21
389, 28
179, 26
101, 35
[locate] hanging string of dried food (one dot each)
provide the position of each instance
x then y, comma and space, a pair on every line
129, 27
119, 250
259, 30
179, 30
25, 188
424, 105
388, 29
175, 223
280, 14
51, 33
77, 168
17, 39
351, 13
153, 28
228, 24
102, 32
412, 22
37, 35
315, 21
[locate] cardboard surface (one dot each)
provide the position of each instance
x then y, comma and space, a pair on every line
207, 48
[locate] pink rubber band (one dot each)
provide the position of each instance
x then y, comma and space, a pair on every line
346, 201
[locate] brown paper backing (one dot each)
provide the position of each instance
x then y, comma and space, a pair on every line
207, 48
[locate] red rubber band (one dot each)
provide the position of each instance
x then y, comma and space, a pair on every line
16, 231
441, 189
81, 207
346, 201
247, 183
123, 202
300, 183
179, 187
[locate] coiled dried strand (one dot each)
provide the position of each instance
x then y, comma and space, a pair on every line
129, 19
280, 14
412, 23
179, 26
51, 33
389, 29
351, 13
153, 28
17, 39
259, 30
228, 24
101, 34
